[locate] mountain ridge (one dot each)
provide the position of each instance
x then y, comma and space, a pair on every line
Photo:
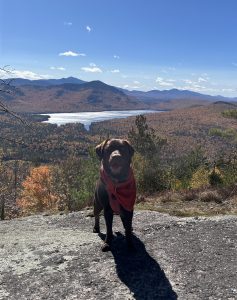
175, 94
44, 82
69, 97
156, 94
74, 95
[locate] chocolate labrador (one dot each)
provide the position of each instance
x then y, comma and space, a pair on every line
116, 189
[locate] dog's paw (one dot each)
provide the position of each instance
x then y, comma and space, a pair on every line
106, 247
96, 230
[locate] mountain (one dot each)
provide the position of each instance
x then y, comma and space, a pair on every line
69, 97
44, 82
172, 94
74, 95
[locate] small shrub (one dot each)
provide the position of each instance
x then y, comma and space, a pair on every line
170, 197
150, 177
187, 165
88, 175
189, 195
200, 178
229, 173
75, 179
215, 177
144, 138
228, 133
230, 113
37, 194
210, 196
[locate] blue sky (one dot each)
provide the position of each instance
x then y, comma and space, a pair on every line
134, 44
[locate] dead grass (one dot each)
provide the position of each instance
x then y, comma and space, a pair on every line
210, 196
191, 203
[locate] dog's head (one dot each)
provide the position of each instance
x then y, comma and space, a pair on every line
116, 155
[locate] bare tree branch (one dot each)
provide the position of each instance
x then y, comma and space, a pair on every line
4, 84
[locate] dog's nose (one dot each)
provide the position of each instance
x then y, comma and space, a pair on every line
115, 153
115, 157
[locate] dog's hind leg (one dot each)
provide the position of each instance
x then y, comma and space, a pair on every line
126, 217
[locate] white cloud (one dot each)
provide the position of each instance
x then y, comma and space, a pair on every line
67, 23
131, 87
162, 82
136, 82
116, 56
88, 28
201, 79
198, 86
195, 83
115, 71
58, 68
22, 74
227, 90
71, 53
194, 87
166, 70
92, 69
187, 81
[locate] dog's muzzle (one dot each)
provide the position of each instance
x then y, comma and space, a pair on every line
116, 162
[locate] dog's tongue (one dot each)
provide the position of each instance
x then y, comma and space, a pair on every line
115, 167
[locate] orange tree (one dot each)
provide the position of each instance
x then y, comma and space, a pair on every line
37, 194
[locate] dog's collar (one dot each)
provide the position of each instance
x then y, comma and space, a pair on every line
112, 178
120, 193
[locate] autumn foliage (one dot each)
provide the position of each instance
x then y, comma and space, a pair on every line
37, 194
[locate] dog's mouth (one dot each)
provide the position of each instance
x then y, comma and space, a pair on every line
115, 168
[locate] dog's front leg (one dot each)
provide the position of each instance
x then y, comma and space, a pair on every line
108, 215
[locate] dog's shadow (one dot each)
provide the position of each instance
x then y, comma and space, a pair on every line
139, 271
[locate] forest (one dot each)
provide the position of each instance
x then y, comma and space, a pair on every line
189, 154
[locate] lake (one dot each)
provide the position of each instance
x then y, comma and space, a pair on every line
87, 118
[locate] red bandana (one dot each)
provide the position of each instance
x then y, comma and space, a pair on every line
122, 193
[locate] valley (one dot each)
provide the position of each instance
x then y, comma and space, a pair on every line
196, 138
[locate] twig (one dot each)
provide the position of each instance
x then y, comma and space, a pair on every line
3, 107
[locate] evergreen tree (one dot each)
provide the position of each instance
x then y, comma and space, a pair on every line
144, 139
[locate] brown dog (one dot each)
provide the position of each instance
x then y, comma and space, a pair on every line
116, 189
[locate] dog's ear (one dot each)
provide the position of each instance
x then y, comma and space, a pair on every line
99, 149
130, 147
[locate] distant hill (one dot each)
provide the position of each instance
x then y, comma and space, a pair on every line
173, 94
44, 82
70, 97
73, 95
230, 104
